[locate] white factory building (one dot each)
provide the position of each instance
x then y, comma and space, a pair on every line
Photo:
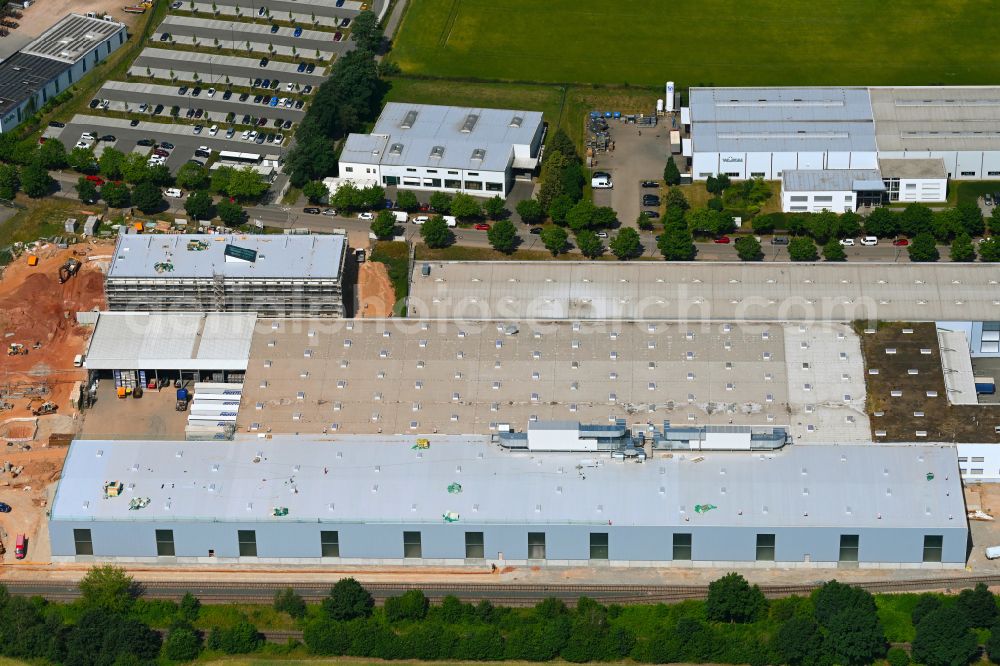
445, 148
916, 139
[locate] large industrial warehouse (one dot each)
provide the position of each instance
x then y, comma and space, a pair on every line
374, 376
818, 140
273, 276
448, 500
697, 292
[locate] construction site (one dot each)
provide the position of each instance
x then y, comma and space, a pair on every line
42, 381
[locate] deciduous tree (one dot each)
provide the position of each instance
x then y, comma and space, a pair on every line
530, 211
315, 191
348, 600
962, 249
436, 233
671, 174
116, 195
554, 239
748, 248
626, 244
732, 599
802, 248
590, 245
384, 225
86, 190
503, 236
36, 182
199, 205
923, 248
944, 638
494, 207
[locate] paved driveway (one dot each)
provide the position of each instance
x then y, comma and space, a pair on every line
636, 157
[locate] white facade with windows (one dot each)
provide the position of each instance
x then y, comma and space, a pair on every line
915, 180
839, 191
442, 148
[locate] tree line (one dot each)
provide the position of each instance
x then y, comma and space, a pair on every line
124, 180
349, 98
110, 625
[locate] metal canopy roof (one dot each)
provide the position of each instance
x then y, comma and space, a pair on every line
383, 479
159, 341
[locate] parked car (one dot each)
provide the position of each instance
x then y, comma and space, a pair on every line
311, 211
286, 125
847, 242
166, 145
274, 84
262, 11
988, 199
308, 89
301, 68
21, 547
96, 180
256, 83
420, 219
198, 113
869, 240
650, 184
158, 110
481, 226
274, 28
900, 242
366, 216
297, 32
56, 123
327, 211
650, 200
310, 68
779, 240
144, 142
109, 138
211, 92
345, 22
722, 240
4, 508
340, 3
602, 234
337, 36
94, 103
263, 62
190, 113
159, 152
652, 214
196, 91
165, 37
244, 97
197, 129
133, 123
299, 104
535, 231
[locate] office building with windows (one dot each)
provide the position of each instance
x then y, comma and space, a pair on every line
274, 276
51, 63
445, 148
453, 500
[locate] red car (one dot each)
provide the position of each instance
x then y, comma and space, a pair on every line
723, 240
337, 36
21, 547
482, 227
96, 180
900, 242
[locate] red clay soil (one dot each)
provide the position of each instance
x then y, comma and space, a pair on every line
34, 307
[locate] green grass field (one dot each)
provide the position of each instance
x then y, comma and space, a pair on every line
710, 42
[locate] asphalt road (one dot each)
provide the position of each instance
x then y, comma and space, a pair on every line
241, 71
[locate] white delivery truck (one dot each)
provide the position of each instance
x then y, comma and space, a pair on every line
401, 216
450, 220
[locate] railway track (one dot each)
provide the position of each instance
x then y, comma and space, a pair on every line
506, 594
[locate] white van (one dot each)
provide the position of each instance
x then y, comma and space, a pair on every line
601, 183
869, 240
400, 216
420, 219
450, 220
172, 192
78, 361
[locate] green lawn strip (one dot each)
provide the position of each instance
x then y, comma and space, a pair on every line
969, 191
714, 42
395, 256
42, 218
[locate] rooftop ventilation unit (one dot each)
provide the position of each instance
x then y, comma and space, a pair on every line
396, 149
479, 154
516, 121
409, 119
437, 152
470, 123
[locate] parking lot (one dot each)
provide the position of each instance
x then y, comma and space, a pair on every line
289, 47
310, 44
161, 62
280, 9
181, 136
130, 97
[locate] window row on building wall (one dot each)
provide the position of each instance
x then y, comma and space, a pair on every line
475, 545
